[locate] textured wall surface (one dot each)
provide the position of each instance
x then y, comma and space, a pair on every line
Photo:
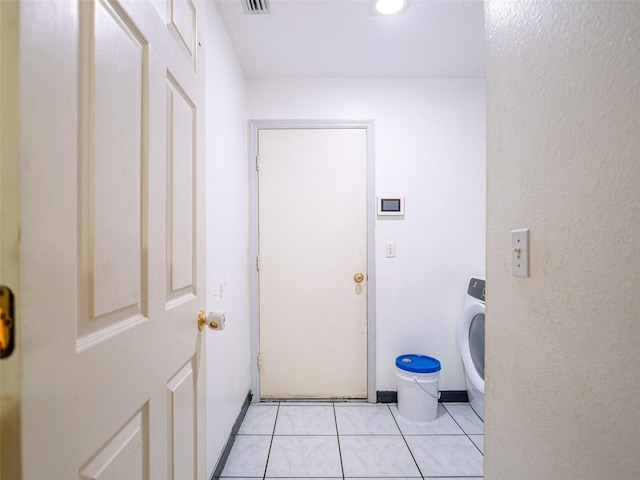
563, 346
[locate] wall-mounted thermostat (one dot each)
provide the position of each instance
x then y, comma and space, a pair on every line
390, 205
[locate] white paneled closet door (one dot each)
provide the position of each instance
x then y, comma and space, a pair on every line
112, 240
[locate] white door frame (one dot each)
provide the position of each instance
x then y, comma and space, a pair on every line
254, 127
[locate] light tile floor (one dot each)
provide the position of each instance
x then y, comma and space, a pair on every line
355, 440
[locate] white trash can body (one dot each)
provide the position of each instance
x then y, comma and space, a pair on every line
418, 394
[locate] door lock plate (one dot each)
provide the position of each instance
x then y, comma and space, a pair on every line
7, 322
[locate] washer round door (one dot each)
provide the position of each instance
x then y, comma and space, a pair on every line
476, 343
471, 343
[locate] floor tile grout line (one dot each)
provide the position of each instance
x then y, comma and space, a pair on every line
405, 441
266, 465
465, 432
335, 419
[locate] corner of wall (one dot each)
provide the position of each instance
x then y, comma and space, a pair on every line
228, 375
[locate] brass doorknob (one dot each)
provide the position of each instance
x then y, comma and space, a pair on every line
202, 321
358, 277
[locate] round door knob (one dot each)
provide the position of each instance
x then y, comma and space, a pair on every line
202, 320
358, 277
205, 320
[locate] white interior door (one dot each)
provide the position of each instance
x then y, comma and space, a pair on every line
111, 250
312, 241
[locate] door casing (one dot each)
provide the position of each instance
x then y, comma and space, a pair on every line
254, 127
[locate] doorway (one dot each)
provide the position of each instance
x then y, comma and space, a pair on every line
312, 218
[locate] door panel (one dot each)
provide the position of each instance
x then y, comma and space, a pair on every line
181, 178
112, 221
183, 22
115, 167
124, 456
312, 240
181, 389
111, 184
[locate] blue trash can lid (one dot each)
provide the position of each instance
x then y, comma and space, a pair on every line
418, 363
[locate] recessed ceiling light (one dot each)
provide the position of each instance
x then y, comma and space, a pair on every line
389, 7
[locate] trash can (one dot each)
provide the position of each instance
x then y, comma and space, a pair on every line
418, 387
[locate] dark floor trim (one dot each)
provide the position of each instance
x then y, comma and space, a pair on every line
232, 438
451, 396
387, 396
446, 396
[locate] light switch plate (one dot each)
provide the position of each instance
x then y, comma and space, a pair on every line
520, 253
390, 249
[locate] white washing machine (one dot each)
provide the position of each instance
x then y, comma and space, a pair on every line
471, 343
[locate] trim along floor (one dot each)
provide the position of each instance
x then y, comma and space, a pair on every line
332, 440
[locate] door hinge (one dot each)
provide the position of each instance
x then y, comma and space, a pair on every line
259, 361
258, 263
257, 163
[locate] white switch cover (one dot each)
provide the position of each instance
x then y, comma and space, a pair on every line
390, 249
520, 253
218, 293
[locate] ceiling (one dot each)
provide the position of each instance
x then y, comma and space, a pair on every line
345, 38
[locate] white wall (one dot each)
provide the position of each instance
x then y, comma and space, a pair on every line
429, 147
563, 346
228, 373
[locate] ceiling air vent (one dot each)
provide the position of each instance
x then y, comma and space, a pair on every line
256, 7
